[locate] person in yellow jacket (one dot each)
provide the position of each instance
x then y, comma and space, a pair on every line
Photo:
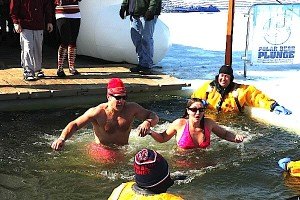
223, 94
152, 179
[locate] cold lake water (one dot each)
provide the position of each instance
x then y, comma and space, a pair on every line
30, 169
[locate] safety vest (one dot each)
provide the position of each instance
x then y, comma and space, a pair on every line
125, 192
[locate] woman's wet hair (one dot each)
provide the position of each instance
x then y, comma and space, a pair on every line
189, 103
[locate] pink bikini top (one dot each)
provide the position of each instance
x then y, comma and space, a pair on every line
186, 141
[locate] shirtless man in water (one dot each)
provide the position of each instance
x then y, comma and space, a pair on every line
112, 121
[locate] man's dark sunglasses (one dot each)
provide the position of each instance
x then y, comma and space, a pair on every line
119, 97
196, 109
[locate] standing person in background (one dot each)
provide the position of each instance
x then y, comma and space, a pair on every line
152, 179
143, 17
223, 94
68, 18
29, 18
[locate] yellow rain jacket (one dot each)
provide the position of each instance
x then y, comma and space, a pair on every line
241, 95
125, 192
293, 168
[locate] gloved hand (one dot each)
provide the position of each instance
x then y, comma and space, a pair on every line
204, 103
283, 163
149, 15
122, 12
282, 110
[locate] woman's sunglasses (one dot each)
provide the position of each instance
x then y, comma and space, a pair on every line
196, 109
119, 97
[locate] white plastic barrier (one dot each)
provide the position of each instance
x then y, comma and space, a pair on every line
103, 34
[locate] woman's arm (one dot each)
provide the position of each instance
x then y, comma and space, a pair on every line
166, 135
225, 134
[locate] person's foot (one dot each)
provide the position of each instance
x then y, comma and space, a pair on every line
61, 73
40, 74
28, 76
139, 68
74, 71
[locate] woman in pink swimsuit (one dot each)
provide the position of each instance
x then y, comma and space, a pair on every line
193, 129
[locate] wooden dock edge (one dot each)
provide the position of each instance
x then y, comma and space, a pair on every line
85, 101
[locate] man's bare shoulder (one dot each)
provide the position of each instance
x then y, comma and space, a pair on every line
133, 105
97, 109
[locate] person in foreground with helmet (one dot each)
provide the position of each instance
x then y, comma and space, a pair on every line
112, 121
223, 94
152, 179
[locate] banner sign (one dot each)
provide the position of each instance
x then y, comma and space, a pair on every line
275, 34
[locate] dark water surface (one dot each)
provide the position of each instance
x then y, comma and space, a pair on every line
29, 169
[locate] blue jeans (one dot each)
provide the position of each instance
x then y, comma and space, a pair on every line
142, 38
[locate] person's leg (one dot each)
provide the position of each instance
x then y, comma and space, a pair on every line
63, 28
148, 43
71, 59
72, 49
136, 37
38, 36
61, 56
26, 40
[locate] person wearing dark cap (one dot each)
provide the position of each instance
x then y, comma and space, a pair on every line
152, 179
112, 121
223, 94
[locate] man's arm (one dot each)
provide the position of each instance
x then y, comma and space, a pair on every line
14, 13
49, 12
149, 119
72, 127
167, 134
